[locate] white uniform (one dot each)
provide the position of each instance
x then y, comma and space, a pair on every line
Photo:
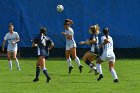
70, 43
108, 54
10, 38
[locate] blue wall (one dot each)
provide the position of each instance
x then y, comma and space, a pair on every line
121, 16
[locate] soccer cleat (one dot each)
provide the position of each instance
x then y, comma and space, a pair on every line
18, 69
96, 72
100, 77
48, 79
70, 69
80, 68
35, 80
116, 81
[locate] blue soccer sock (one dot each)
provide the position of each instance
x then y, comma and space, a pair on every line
37, 72
87, 62
45, 72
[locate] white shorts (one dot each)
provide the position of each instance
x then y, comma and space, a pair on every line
70, 46
108, 57
12, 49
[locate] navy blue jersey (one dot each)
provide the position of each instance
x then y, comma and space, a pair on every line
43, 43
95, 45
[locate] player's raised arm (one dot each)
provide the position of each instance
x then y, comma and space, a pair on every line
88, 41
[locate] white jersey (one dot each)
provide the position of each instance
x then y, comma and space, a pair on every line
108, 53
70, 43
11, 38
108, 48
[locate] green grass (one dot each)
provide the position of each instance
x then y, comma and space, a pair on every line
21, 81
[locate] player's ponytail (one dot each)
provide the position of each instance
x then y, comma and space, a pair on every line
106, 32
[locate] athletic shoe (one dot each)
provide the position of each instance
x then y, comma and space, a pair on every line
70, 69
35, 80
80, 68
100, 77
96, 72
48, 79
116, 81
19, 69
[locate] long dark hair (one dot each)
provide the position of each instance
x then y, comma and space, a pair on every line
106, 32
43, 30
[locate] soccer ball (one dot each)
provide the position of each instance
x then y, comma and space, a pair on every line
59, 8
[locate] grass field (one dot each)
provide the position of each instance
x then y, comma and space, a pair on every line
21, 81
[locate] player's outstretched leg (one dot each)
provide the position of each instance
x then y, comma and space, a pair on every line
92, 67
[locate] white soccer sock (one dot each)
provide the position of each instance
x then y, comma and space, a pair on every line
10, 64
69, 62
91, 66
77, 61
99, 68
17, 63
114, 74
44, 69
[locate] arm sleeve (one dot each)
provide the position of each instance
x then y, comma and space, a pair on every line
71, 32
102, 39
6, 36
17, 35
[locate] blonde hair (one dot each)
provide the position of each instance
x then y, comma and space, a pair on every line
94, 29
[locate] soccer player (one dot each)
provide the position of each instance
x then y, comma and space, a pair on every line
13, 38
70, 45
94, 51
107, 55
44, 45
